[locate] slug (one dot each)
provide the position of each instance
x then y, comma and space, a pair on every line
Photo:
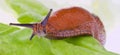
68, 22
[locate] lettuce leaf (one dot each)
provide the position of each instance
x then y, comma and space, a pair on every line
15, 41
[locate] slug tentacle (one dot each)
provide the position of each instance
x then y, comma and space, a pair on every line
32, 36
44, 22
24, 25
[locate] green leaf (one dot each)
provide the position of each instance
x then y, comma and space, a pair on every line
18, 43
28, 10
15, 41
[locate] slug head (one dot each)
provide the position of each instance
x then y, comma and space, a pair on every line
38, 28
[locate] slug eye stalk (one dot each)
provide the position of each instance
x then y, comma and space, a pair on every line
24, 25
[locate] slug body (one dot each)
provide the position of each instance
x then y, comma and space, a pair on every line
69, 22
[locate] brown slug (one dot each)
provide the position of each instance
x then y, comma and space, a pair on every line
69, 22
